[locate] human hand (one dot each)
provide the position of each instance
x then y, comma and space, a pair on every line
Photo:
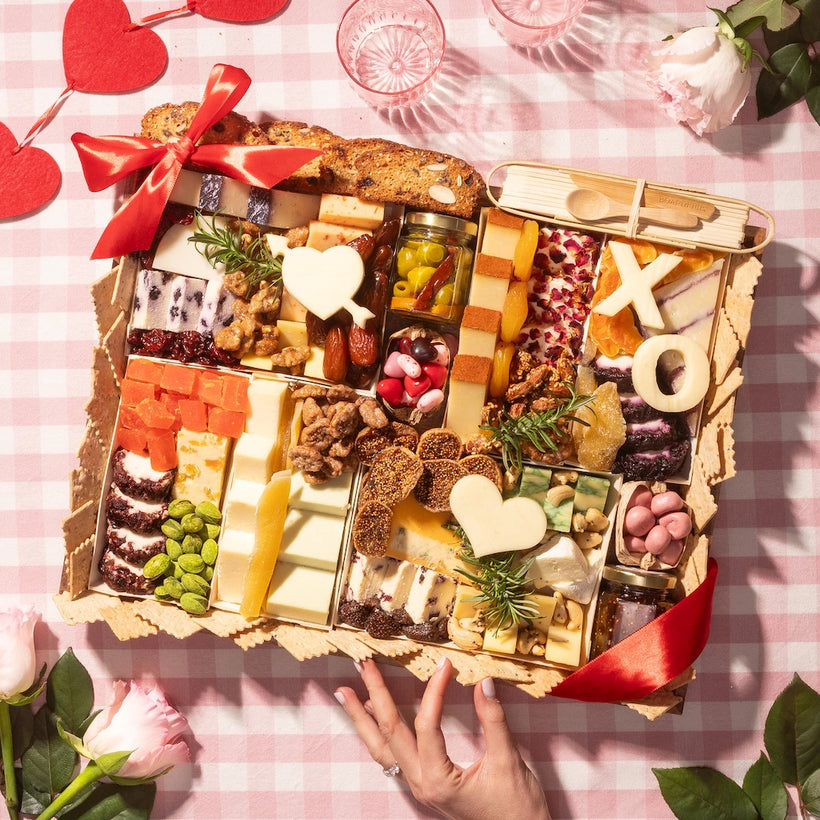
496, 786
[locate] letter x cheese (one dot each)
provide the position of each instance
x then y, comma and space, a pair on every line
636, 285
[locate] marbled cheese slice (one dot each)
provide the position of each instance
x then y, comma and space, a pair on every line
201, 472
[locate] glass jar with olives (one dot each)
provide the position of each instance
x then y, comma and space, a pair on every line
432, 266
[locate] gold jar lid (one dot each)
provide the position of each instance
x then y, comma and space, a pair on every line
451, 224
639, 577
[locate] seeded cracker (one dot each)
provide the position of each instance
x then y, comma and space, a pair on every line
102, 294
699, 496
393, 475
739, 298
718, 394
371, 529
726, 348
439, 442
437, 480
171, 619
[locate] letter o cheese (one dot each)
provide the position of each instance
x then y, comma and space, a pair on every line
696, 373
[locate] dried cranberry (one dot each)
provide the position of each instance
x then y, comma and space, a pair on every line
157, 342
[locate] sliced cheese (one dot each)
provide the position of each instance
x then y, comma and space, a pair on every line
292, 334
300, 593
289, 209
559, 561
419, 536
257, 362
501, 640
312, 539
240, 504
268, 400
324, 235
314, 366
479, 331
564, 645
202, 459
291, 310
468, 388
465, 606
351, 211
332, 497
545, 604
501, 234
490, 282
254, 458
177, 255
235, 548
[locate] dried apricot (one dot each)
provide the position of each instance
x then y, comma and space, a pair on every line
597, 444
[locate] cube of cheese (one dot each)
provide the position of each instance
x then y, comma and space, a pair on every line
314, 366
324, 235
501, 640
591, 492
291, 310
545, 604
257, 362
289, 209
268, 400
479, 331
299, 593
564, 645
240, 504
291, 334
312, 539
464, 607
352, 211
235, 548
254, 458
202, 459
501, 234
559, 561
332, 497
490, 282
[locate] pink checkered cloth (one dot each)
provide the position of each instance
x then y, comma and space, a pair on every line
269, 739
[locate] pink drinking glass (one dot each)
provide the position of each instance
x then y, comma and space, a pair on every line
532, 23
392, 50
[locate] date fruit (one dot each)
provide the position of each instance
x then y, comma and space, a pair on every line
337, 356
363, 345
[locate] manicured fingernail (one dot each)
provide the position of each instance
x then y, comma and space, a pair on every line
340, 697
358, 667
488, 688
368, 707
442, 662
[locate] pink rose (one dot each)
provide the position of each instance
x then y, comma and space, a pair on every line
699, 79
140, 720
17, 663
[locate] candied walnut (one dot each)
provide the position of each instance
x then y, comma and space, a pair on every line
297, 237
311, 411
241, 309
341, 392
267, 342
237, 338
307, 459
291, 357
318, 435
265, 300
313, 391
517, 410
372, 414
237, 284
344, 419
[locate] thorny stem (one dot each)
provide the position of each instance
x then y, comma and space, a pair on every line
12, 800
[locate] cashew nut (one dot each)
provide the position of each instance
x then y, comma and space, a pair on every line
562, 477
539, 649
559, 493
579, 522
576, 616
463, 638
588, 540
526, 640
560, 615
596, 520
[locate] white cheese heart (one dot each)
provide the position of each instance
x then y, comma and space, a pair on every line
326, 281
492, 524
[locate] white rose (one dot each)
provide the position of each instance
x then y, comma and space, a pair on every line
17, 662
699, 78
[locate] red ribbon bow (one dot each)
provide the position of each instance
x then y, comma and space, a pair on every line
107, 160
650, 657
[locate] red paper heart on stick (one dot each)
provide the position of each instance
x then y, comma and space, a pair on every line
28, 178
103, 53
245, 12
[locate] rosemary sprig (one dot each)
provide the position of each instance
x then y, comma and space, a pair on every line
224, 245
501, 585
539, 429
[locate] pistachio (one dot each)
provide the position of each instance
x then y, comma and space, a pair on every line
162, 593
208, 574
173, 529
193, 603
178, 571
192, 523
191, 544
210, 549
191, 562
174, 588
179, 508
209, 512
193, 583
156, 565
173, 548
212, 530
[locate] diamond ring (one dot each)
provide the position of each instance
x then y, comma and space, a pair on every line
393, 770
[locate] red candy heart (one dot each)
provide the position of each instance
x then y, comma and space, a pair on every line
415, 387
102, 54
437, 374
28, 178
245, 12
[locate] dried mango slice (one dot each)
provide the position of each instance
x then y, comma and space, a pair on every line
615, 334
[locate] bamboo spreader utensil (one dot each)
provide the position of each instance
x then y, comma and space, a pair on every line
593, 206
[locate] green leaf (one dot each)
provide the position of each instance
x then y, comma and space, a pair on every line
766, 790
112, 762
33, 801
809, 19
778, 13
811, 793
792, 733
70, 693
813, 102
703, 793
794, 71
22, 729
48, 764
111, 802
746, 28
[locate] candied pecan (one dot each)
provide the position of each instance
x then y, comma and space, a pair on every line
344, 419
314, 391
267, 342
341, 448
517, 410
318, 435
307, 459
372, 414
341, 392
291, 357
311, 411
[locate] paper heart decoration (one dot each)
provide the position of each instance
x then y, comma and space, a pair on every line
102, 53
28, 178
492, 524
326, 281
247, 11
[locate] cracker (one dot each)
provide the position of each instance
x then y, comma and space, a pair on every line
77, 567
222, 623
168, 617
114, 344
102, 294
255, 636
739, 299
438, 478
698, 495
123, 620
126, 283
349, 642
726, 348
80, 524
710, 452
719, 393
83, 610
302, 642
543, 681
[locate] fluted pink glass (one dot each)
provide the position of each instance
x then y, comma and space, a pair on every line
392, 50
532, 23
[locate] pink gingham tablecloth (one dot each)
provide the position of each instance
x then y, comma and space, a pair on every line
268, 738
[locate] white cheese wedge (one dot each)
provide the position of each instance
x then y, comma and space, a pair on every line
235, 548
418, 535
177, 255
202, 459
558, 561
332, 497
290, 209
254, 458
300, 593
312, 539
267, 400
240, 504
431, 596
324, 235
352, 211
396, 584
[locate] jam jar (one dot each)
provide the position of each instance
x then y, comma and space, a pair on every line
432, 266
629, 599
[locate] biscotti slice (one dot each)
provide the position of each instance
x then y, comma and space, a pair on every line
170, 122
418, 178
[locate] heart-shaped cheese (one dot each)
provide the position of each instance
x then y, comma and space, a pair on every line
326, 281
492, 524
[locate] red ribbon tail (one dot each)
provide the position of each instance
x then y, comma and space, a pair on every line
649, 658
